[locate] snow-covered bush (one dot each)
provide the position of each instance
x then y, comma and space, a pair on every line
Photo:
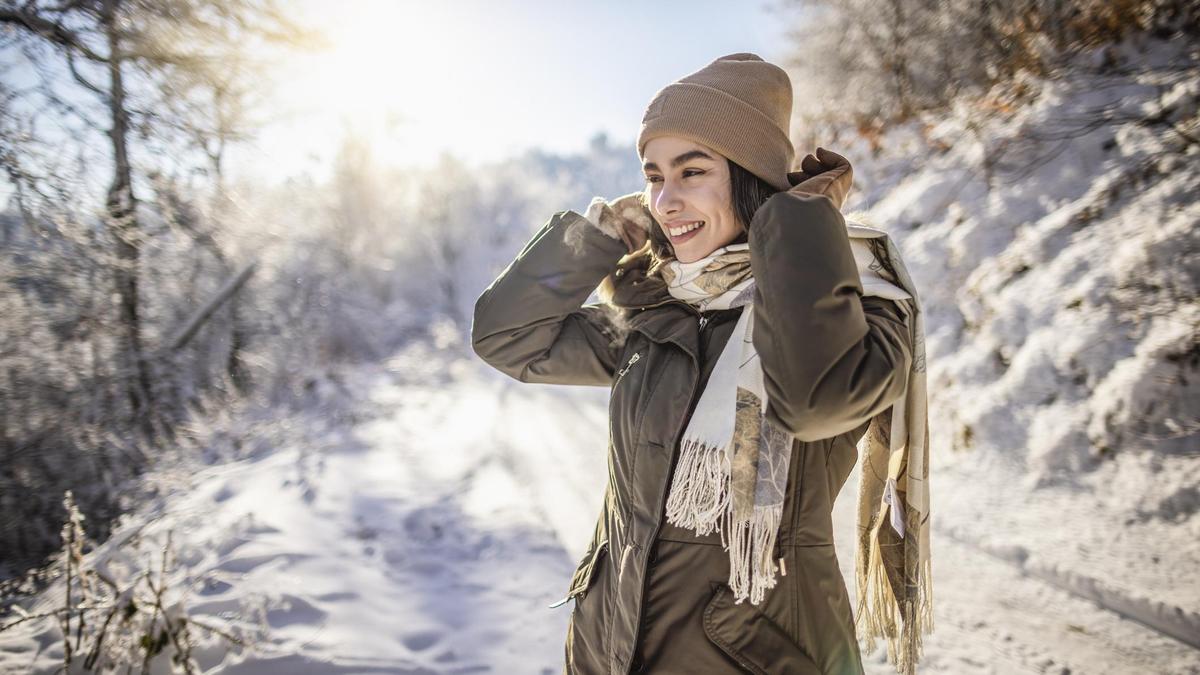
123, 610
864, 66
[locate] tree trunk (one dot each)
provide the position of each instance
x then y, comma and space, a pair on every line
122, 214
899, 60
235, 365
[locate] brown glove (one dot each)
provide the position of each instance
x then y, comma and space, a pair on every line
826, 173
625, 217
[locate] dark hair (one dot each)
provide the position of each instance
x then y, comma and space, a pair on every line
748, 192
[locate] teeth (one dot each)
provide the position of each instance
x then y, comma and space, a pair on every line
676, 231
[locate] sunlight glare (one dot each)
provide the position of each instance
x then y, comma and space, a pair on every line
386, 76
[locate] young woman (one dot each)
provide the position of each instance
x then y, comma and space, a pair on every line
748, 347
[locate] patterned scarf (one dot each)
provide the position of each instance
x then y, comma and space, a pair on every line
733, 466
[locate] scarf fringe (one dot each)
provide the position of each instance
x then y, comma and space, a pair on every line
700, 490
751, 551
700, 499
878, 611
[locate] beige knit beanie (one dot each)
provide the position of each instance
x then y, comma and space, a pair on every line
738, 105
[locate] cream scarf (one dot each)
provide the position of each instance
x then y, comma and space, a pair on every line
733, 466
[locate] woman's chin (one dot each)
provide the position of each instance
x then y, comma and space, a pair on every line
691, 253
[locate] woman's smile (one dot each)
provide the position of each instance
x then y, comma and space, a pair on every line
684, 230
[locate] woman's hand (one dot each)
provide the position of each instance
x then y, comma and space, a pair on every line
826, 173
625, 218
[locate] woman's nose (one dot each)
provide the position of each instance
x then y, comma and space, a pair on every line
667, 202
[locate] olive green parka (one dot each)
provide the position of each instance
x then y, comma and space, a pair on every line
649, 596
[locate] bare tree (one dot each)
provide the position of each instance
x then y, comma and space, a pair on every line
122, 109
144, 67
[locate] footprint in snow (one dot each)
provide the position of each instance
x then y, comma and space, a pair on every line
292, 610
421, 640
421, 527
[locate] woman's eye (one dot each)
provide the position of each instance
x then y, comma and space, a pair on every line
687, 173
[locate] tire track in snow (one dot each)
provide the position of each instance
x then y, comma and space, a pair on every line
1167, 620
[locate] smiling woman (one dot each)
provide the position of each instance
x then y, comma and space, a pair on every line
790, 347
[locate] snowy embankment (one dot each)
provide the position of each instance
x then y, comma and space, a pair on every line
1057, 249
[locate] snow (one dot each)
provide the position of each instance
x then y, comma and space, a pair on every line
431, 532
1062, 344
403, 544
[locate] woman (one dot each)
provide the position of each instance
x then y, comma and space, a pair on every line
749, 347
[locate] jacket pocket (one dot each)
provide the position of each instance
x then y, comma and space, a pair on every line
751, 638
581, 581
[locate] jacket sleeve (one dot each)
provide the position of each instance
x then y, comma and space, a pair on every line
531, 323
831, 358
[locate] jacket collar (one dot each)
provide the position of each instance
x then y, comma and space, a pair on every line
631, 290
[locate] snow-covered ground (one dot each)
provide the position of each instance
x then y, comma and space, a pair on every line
407, 542
430, 534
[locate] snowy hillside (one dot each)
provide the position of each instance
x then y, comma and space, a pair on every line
1058, 253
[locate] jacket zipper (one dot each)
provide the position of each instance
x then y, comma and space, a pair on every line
632, 360
670, 472
674, 460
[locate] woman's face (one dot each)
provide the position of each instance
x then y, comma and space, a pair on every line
687, 184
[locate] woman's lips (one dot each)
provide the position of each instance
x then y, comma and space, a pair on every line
686, 235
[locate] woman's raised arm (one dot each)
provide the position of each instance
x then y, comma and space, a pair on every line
831, 358
531, 323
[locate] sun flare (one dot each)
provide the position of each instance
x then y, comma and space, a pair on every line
386, 74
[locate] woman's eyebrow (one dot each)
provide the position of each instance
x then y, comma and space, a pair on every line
689, 155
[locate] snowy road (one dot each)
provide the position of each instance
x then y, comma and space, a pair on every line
991, 618
431, 536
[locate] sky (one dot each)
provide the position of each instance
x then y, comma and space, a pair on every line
486, 80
